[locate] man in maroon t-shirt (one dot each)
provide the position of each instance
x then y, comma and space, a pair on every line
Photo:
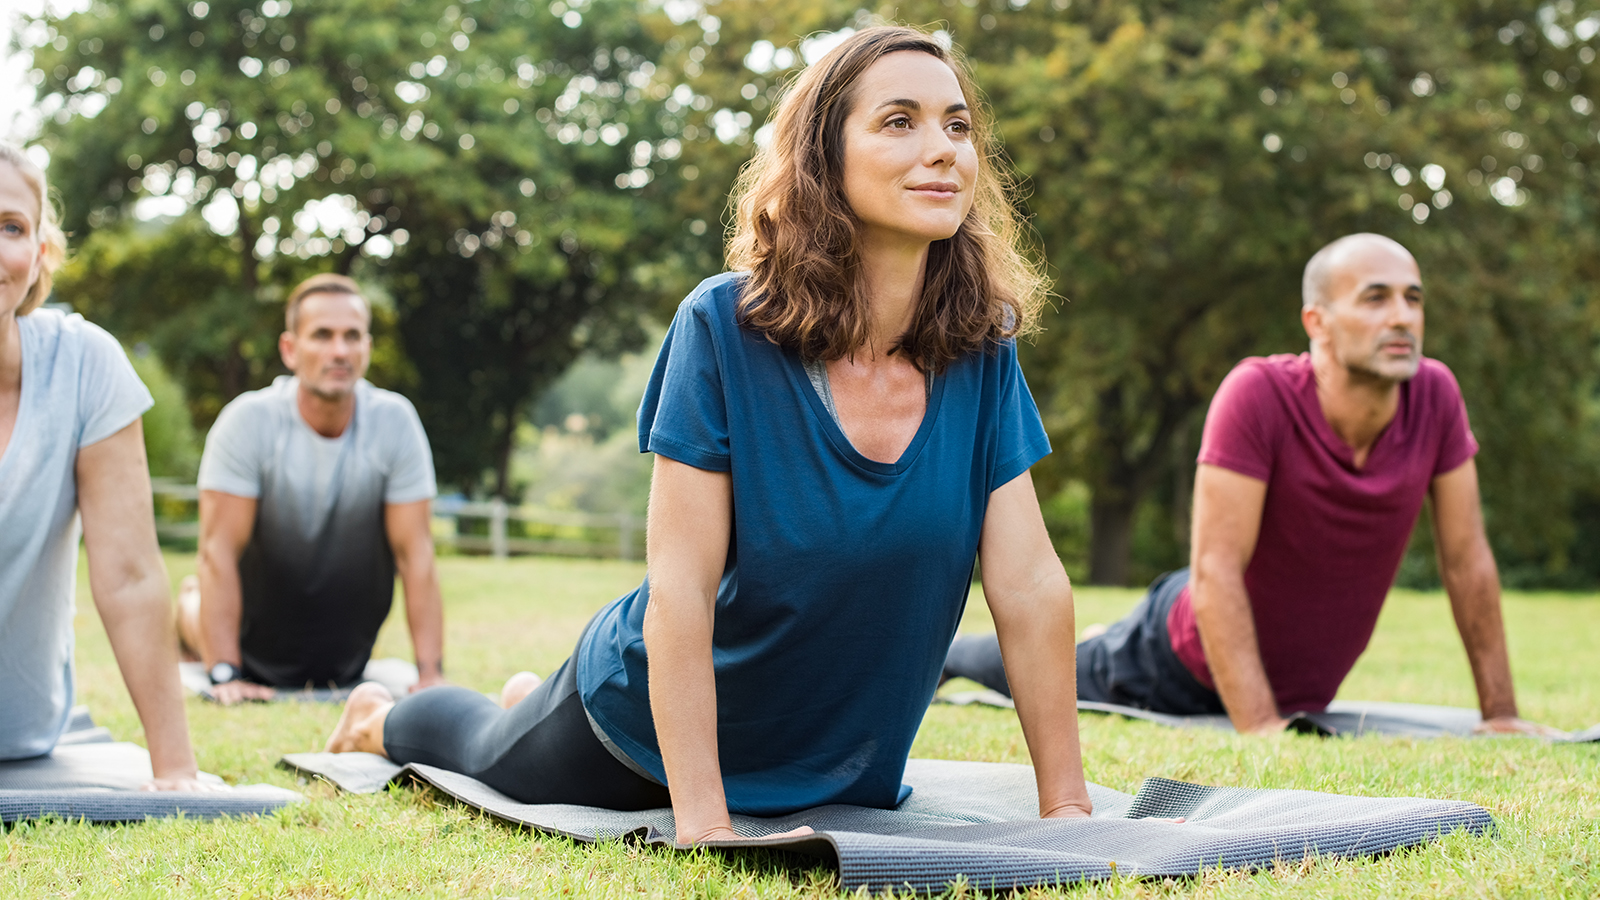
1313, 469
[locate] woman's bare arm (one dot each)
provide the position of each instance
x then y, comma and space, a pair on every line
690, 521
1031, 599
129, 583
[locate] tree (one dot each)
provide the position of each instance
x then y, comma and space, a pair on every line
1182, 160
1190, 157
488, 167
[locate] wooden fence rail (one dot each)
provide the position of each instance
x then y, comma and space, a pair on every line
543, 531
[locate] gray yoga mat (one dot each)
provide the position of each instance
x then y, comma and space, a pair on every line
978, 822
397, 675
91, 777
1342, 718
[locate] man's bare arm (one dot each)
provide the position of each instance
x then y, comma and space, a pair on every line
1466, 565
411, 540
1227, 521
226, 523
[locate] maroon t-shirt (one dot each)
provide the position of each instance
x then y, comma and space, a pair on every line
1331, 535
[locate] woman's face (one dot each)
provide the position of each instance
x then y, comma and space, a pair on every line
20, 251
909, 162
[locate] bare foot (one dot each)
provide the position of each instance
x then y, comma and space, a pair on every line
1093, 631
517, 687
360, 728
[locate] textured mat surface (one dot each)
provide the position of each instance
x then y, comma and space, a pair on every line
1342, 718
979, 822
397, 675
94, 778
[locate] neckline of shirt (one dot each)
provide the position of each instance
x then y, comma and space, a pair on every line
827, 420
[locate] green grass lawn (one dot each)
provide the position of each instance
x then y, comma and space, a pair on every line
526, 613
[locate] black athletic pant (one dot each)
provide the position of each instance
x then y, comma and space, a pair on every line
542, 750
1132, 664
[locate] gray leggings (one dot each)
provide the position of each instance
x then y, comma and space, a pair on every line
542, 750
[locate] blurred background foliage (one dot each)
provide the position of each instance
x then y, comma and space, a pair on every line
529, 188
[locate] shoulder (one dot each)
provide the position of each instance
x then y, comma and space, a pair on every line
258, 408
996, 360
1277, 370
1435, 377
716, 299
1264, 382
383, 400
71, 332
385, 406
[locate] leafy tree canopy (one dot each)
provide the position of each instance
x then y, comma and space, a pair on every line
1181, 162
489, 167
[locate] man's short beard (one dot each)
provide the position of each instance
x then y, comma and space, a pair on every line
330, 396
1364, 372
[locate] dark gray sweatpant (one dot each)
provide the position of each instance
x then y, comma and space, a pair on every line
1132, 664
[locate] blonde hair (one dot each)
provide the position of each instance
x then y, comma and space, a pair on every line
796, 234
47, 226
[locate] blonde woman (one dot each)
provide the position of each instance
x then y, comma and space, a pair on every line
840, 428
71, 449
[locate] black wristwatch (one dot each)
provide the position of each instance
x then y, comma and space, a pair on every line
224, 672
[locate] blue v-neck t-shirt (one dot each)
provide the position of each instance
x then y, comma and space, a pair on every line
846, 577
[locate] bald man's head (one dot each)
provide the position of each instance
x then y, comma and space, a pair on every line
1363, 309
1317, 286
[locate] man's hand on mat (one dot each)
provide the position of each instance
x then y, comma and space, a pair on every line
230, 692
1514, 725
427, 680
726, 833
1274, 725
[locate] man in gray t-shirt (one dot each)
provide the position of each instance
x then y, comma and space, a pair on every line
313, 492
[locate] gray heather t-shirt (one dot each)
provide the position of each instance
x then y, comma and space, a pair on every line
318, 574
77, 389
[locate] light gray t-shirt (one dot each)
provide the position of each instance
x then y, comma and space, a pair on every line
78, 388
318, 575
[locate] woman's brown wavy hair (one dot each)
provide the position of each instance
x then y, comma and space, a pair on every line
796, 235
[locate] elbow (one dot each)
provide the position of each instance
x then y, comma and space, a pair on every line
216, 555
670, 622
1046, 599
1207, 572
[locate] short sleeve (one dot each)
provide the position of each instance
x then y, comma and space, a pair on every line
411, 469
1235, 437
684, 415
231, 460
1456, 441
111, 396
1018, 428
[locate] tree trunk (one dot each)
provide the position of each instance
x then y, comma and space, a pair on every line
504, 443
1183, 463
1110, 537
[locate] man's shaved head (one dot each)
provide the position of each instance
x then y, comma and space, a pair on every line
1316, 286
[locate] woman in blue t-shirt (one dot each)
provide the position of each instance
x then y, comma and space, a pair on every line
72, 455
840, 429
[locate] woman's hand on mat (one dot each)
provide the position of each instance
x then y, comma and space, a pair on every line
230, 692
1514, 725
1071, 810
726, 833
185, 783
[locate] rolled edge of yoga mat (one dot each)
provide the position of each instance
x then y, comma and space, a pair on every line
103, 806
354, 773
